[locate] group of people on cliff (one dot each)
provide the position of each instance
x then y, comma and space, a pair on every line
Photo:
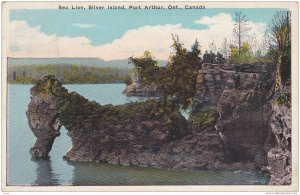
213, 58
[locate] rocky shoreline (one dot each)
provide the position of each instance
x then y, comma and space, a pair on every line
137, 134
279, 157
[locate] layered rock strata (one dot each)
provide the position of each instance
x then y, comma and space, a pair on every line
213, 79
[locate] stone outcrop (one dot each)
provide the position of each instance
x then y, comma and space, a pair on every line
279, 157
209, 87
130, 134
253, 129
213, 79
239, 92
136, 88
244, 113
243, 125
43, 114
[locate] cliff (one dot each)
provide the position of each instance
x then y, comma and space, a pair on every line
243, 125
240, 98
213, 79
279, 157
253, 128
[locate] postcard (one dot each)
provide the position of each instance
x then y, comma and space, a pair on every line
150, 96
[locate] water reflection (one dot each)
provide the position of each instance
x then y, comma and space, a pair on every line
91, 173
45, 175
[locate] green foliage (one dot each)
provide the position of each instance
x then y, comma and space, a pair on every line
110, 113
241, 30
279, 39
258, 54
23, 80
127, 79
270, 55
204, 119
182, 71
283, 100
47, 85
147, 68
283, 97
67, 74
176, 81
243, 56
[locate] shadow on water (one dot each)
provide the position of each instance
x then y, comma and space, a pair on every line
45, 175
92, 174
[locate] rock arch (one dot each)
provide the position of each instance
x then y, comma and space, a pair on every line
130, 134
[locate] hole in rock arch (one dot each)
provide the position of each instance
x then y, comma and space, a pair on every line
62, 144
54, 170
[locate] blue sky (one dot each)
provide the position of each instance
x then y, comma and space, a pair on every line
96, 28
114, 23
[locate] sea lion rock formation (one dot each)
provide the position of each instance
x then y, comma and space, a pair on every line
129, 134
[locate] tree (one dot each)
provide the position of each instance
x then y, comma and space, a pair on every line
225, 48
146, 67
128, 80
241, 56
258, 53
176, 82
194, 54
253, 42
14, 75
241, 29
212, 46
279, 41
183, 67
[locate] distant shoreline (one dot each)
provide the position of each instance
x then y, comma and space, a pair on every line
12, 83
70, 74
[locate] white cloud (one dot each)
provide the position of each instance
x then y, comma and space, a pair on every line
224, 24
217, 20
31, 42
80, 25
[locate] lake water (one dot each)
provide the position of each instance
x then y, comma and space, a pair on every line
22, 170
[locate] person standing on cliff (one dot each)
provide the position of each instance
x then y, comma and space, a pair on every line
219, 58
212, 57
237, 80
206, 57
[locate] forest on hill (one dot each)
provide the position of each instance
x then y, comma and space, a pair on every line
67, 74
